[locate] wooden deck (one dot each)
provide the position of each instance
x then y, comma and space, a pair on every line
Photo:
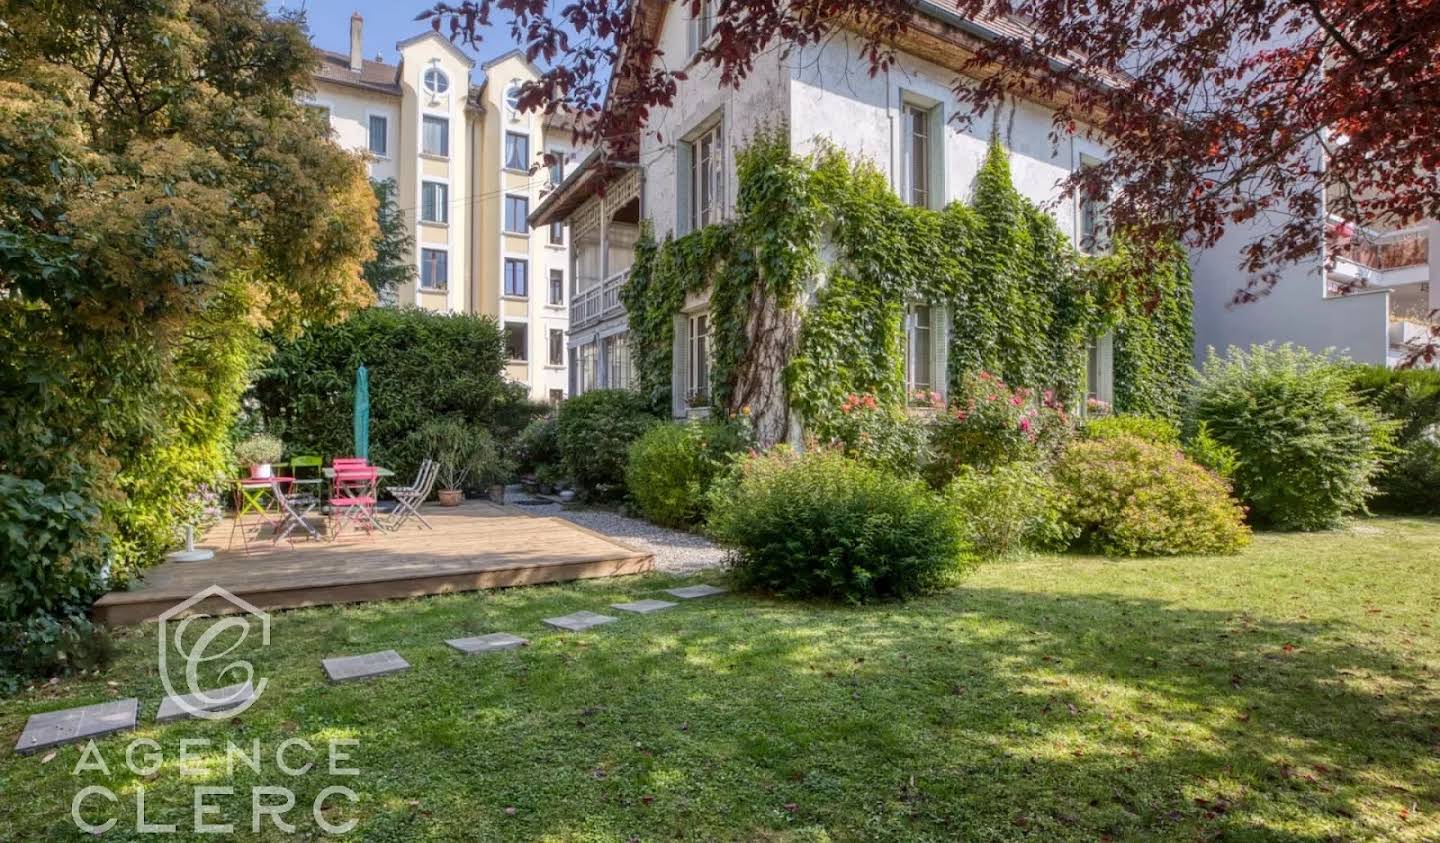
474, 546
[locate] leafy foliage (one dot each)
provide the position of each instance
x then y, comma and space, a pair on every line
165, 196
596, 432
1308, 448
992, 425
538, 445
1214, 455
467, 454
880, 436
422, 367
672, 466
1128, 497
1153, 430
1410, 481
823, 525
1008, 510
393, 265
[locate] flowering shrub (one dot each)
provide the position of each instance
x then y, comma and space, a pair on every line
881, 437
824, 525
994, 425
1128, 497
1008, 510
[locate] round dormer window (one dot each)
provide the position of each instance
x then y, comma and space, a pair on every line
436, 82
512, 97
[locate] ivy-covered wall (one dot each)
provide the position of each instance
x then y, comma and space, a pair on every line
794, 333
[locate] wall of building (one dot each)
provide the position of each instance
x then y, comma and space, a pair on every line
350, 111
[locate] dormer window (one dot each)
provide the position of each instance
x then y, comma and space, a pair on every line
435, 82
512, 99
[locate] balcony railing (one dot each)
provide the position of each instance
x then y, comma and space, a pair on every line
1388, 251
598, 302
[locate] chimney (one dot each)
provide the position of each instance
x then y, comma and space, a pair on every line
357, 24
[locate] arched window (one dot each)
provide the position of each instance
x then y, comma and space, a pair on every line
436, 82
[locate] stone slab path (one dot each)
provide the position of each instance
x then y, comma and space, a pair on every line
492, 643
694, 592
579, 621
350, 668
55, 728
214, 701
644, 607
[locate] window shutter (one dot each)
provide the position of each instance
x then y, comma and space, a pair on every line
940, 349
692, 36
683, 187
680, 365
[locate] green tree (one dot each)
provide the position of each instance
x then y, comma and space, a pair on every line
393, 264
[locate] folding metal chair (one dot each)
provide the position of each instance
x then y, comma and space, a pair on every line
294, 509
353, 500
409, 498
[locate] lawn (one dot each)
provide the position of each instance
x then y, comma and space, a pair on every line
1290, 693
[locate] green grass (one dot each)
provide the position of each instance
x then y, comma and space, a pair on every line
1290, 693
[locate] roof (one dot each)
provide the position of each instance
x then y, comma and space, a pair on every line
583, 182
458, 53
373, 76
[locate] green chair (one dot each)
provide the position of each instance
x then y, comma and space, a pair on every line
309, 477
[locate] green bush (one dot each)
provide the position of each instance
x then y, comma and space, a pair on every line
992, 424
824, 525
538, 445
672, 466
1124, 496
422, 366
1410, 481
596, 431
884, 437
1008, 510
468, 456
1205, 450
1308, 448
1156, 430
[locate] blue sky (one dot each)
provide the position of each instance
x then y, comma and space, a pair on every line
386, 21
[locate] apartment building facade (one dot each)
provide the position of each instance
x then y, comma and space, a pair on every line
468, 166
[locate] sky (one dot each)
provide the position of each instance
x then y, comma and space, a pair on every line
386, 21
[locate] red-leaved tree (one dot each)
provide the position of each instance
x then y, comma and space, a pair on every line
1217, 113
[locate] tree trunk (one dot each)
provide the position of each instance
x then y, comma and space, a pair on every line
771, 333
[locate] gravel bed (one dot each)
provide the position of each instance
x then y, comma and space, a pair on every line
676, 552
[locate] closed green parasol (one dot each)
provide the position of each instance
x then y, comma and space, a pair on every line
362, 413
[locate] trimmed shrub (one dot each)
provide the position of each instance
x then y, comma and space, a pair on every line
596, 430
1008, 510
672, 466
1308, 448
1410, 481
824, 525
884, 437
1154, 430
1127, 497
994, 425
423, 366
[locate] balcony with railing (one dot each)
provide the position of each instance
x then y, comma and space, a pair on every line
600, 301
1385, 259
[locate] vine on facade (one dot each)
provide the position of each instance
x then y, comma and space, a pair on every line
793, 332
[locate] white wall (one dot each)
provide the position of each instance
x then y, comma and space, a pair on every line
350, 119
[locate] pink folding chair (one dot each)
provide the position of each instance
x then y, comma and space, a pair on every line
353, 500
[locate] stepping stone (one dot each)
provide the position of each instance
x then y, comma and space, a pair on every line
691, 592
579, 621
218, 700
71, 725
349, 668
643, 607
492, 643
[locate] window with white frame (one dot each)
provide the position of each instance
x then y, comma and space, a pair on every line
702, 25
706, 177
919, 348
1100, 370
517, 151
585, 376
517, 277
435, 135
556, 396
434, 269
379, 127
617, 361
434, 202
918, 153
435, 81
517, 213
557, 286
557, 166
697, 381
557, 347
517, 341
557, 234
1094, 235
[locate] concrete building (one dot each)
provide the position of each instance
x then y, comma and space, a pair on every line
469, 167
682, 175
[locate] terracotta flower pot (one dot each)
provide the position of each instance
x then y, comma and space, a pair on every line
451, 497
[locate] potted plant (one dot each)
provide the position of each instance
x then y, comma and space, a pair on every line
259, 452
465, 454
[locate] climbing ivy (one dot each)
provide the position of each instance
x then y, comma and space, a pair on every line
1022, 301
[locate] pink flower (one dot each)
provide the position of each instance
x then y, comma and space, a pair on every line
1025, 424
1017, 400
